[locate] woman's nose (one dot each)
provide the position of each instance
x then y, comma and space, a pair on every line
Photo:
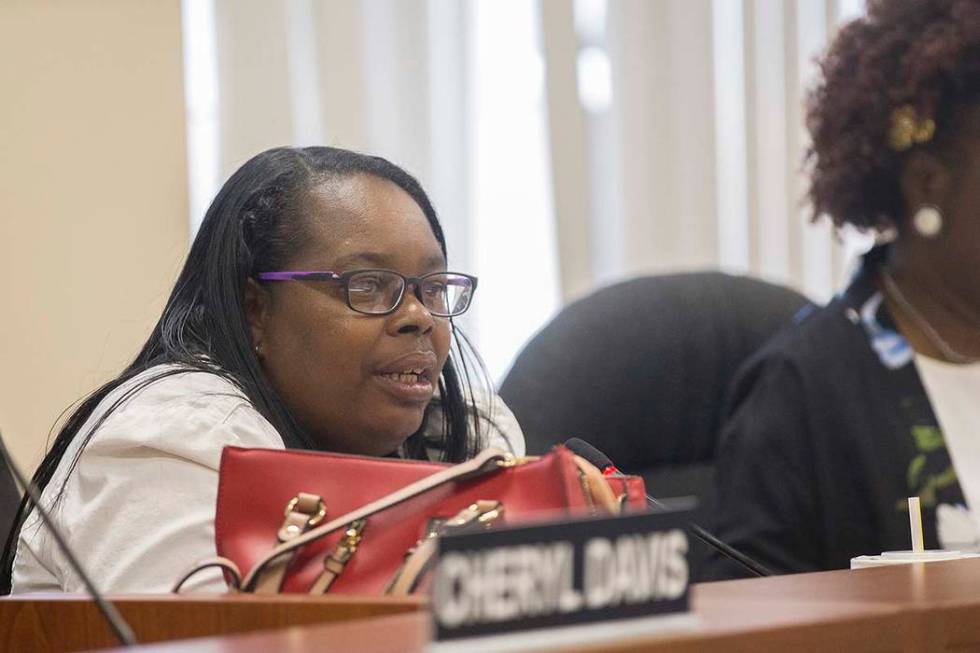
413, 315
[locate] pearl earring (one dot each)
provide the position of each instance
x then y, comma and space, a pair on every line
928, 221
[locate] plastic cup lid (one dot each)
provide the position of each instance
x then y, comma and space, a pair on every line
933, 554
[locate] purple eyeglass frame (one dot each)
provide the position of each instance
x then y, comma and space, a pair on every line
328, 275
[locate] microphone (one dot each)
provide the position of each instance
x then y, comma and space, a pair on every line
117, 624
582, 448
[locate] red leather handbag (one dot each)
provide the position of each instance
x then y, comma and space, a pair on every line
303, 521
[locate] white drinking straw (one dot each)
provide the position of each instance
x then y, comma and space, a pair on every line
915, 522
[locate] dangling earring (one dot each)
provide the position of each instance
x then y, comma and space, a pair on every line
928, 221
258, 352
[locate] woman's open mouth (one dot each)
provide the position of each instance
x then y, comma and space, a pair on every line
409, 379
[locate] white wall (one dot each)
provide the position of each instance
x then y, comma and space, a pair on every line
93, 199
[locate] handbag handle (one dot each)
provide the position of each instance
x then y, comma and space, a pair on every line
220, 562
486, 461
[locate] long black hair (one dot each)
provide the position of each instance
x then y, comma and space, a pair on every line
253, 224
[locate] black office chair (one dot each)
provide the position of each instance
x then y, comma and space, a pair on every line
640, 369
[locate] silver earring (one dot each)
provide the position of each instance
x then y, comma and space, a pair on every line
928, 221
258, 352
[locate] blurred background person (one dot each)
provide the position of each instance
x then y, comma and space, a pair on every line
876, 397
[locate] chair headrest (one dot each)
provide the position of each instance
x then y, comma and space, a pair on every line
640, 368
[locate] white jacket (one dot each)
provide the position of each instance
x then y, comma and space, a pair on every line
138, 507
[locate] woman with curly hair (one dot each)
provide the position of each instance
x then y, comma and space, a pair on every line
875, 397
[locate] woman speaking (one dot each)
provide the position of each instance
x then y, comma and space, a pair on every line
314, 311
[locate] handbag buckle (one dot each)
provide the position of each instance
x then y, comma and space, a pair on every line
510, 460
353, 535
482, 513
313, 520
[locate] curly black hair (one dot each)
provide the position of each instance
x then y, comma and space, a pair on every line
922, 53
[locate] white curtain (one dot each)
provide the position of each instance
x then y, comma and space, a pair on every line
566, 144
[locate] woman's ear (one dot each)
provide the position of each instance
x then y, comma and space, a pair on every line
924, 180
257, 306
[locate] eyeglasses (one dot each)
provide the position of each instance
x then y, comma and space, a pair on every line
380, 292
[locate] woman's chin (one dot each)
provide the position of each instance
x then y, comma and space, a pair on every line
382, 438
397, 433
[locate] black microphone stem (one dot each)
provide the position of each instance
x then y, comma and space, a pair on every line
120, 628
602, 461
728, 550
722, 547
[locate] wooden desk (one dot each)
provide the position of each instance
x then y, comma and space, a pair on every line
756, 626
65, 622
932, 607
943, 599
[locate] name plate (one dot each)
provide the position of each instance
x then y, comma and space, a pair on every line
561, 573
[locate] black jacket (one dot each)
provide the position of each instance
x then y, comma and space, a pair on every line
829, 430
